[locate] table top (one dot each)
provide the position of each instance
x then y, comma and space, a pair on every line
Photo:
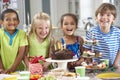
92, 76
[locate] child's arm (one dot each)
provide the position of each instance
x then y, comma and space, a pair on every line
117, 61
80, 60
51, 49
18, 59
25, 57
1, 66
47, 64
81, 44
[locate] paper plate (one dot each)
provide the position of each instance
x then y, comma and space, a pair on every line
110, 75
82, 78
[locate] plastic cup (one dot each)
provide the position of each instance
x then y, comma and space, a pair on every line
24, 75
106, 62
80, 70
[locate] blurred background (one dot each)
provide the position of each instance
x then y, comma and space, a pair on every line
84, 9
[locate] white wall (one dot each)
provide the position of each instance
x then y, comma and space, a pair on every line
20, 8
35, 7
97, 3
58, 8
87, 9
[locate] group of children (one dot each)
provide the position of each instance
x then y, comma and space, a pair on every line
16, 46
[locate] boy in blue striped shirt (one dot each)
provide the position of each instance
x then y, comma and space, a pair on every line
107, 34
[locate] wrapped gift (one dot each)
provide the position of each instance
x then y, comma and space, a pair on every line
35, 65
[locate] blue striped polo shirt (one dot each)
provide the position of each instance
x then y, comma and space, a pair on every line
109, 44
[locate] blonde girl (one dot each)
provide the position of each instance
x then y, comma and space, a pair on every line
39, 37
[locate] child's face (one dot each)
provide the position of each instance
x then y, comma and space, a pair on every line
105, 20
10, 21
42, 29
69, 25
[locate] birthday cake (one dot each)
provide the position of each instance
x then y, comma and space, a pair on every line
62, 54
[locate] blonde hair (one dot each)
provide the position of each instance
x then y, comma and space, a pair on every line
36, 18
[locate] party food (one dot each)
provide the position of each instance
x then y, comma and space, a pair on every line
69, 74
49, 77
91, 42
94, 65
35, 76
91, 54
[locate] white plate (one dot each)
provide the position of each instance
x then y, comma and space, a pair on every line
82, 78
2, 76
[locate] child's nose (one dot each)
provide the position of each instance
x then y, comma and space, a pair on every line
12, 21
44, 30
105, 16
69, 25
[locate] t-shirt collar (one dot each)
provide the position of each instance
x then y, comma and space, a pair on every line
11, 36
111, 30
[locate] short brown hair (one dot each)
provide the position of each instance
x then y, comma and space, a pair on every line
8, 11
106, 7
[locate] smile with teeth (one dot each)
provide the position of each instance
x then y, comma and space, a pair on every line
42, 33
69, 29
104, 20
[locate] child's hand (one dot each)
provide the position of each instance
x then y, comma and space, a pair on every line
71, 65
46, 66
78, 62
1, 71
8, 71
118, 69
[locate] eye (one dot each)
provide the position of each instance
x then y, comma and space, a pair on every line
101, 14
47, 27
66, 23
15, 19
108, 15
72, 23
40, 28
7, 19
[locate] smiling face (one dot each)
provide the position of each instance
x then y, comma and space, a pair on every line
42, 29
105, 20
69, 25
105, 16
10, 22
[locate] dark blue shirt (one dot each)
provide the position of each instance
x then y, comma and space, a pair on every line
73, 47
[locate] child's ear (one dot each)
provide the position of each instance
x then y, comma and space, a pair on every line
96, 19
